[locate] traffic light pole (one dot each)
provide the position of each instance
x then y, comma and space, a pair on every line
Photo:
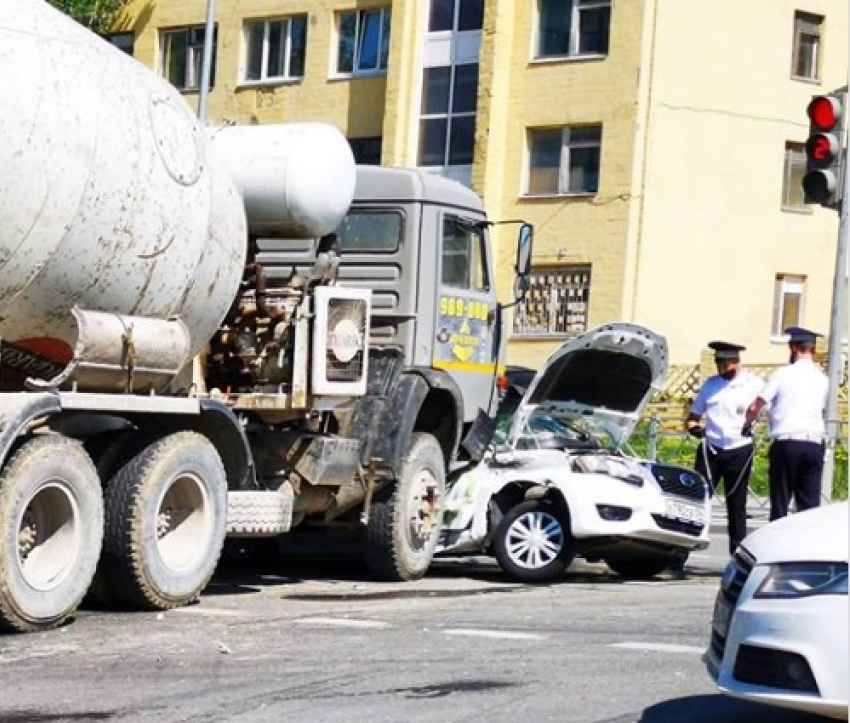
836, 362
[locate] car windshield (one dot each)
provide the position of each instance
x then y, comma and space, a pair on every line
544, 431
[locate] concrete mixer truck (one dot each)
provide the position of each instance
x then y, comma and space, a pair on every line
215, 333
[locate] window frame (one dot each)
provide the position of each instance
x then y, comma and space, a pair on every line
448, 116
794, 159
287, 50
367, 150
478, 267
576, 9
811, 25
360, 37
785, 286
397, 224
119, 40
457, 12
567, 148
194, 56
571, 298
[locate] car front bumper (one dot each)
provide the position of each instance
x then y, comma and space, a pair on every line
791, 653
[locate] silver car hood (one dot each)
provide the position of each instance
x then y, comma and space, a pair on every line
605, 376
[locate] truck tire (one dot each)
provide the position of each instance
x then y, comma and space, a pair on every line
532, 543
165, 524
51, 529
405, 517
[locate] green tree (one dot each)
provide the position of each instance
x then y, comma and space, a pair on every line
97, 15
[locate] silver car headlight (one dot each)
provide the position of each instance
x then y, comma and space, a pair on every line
803, 579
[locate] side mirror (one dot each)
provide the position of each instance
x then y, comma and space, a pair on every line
525, 242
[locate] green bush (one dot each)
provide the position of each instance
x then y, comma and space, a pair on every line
676, 447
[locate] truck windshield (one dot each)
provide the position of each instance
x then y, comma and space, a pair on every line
371, 231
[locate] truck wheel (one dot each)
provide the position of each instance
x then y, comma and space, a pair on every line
405, 517
532, 542
52, 527
166, 512
639, 568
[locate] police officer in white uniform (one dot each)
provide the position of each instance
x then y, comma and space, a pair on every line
725, 454
795, 397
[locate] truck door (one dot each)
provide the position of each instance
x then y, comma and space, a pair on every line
466, 312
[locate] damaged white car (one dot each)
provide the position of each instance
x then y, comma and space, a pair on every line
556, 483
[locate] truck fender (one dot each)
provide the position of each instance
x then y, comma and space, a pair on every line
17, 411
424, 400
220, 424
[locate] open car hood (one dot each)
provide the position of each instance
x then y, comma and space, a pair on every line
605, 377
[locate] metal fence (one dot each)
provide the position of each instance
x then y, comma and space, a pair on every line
661, 436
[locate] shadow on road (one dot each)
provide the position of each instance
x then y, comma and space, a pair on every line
715, 708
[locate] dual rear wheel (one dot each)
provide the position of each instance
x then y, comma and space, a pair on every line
150, 540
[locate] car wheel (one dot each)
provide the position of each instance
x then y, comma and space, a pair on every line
640, 568
532, 542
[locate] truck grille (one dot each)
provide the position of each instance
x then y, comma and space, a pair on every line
730, 590
679, 481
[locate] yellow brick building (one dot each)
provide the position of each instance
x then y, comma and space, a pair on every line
656, 145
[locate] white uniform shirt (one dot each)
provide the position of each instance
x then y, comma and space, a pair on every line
724, 404
796, 396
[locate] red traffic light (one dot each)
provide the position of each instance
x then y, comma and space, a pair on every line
824, 112
822, 149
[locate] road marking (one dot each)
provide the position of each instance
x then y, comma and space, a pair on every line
503, 634
342, 622
659, 647
221, 612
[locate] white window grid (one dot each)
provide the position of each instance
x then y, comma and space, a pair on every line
788, 303
450, 114
578, 9
805, 62
194, 55
459, 10
572, 139
285, 50
557, 302
794, 168
358, 41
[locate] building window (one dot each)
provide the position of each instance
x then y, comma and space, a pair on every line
456, 15
787, 302
182, 55
564, 161
556, 303
367, 151
464, 258
447, 127
123, 41
573, 27
275, 49
806, 57
793, 171
364, 41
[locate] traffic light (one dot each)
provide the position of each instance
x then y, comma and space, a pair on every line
824, 150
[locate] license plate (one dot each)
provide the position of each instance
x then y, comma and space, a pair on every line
722, 615
684, 511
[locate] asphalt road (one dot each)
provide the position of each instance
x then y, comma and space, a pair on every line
320, 642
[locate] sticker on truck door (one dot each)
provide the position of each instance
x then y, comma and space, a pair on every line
463, 334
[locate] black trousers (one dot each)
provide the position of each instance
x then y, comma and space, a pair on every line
732, 468
795, 469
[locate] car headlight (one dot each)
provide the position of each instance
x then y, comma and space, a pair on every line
803, 579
